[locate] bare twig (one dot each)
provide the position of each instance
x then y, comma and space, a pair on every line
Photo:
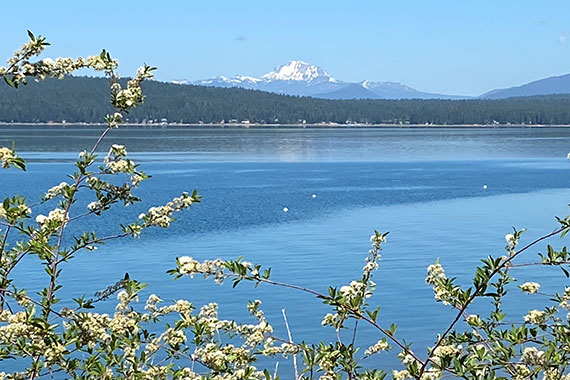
354, 333
291, 341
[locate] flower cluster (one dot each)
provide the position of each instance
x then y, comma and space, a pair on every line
92, 328
58, 68
285, 349
115, 161
94, 206
20, 67
56, 191
371, 262
406, 358
102, 62
330, 319
437, 279
521, 372
220, 358
530, 287
15, 211
54, 353
513, 240
8, 158
137, 178
124, 323
182, 307
125, 299
554, 374
126, 98
56, 217
533, 356
162, 215
381, 345
355, 289
18, 327
445, 350
114, 120
377, 239
157, 216
536, 317
473, 320
401, 375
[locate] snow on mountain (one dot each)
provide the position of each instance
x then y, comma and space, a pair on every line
181, 81
299, 71
236, 81
386, 85
303, 79
292, 78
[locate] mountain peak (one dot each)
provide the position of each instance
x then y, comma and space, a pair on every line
300, 78
299, 71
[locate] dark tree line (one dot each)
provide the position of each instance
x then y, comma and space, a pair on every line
82, 99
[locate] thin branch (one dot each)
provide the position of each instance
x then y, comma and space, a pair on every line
2, 253
291, 341
4, 242
354, 333
16, 227
8, 291
98, 240
539, 263
100, 139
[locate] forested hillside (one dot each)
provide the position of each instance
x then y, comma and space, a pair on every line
82, 99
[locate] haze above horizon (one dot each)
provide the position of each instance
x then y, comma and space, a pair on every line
446, 47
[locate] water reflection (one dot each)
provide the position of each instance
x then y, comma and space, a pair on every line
293, 145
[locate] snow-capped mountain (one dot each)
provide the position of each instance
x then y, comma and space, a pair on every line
303, 79
236, 81
292, 78
299, 71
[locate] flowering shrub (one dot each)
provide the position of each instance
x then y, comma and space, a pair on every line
182, 341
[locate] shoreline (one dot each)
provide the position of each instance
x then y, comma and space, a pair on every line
284, 126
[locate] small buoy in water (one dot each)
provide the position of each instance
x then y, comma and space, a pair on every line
314, 195
285, 209
484, 187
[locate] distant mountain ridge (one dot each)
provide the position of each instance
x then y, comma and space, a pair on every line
300, 78
548, 86
303, 79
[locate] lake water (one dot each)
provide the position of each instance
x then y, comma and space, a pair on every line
425, 186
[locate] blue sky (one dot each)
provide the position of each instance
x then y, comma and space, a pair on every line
453, 47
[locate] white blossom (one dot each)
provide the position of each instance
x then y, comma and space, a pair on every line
535, 316
530, 287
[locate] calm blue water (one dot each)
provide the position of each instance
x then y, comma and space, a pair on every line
425, 186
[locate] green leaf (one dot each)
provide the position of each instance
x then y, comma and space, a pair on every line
9, 81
